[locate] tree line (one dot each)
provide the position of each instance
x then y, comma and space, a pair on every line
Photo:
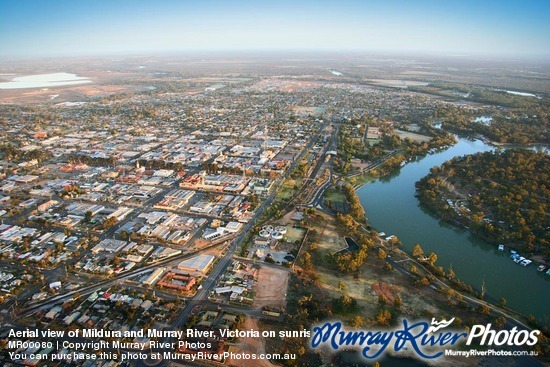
501, 196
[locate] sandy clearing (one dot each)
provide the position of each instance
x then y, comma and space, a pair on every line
271, 287
416, 137
251, 345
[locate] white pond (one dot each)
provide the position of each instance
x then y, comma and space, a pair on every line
515, 93
520, 93
44, 81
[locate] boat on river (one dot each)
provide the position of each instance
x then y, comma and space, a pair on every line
525, 262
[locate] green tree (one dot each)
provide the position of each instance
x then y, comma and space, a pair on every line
344, 304
484, 310
500, 322
341, 285
357, 321
397, 301
88, 216
382, 300
417, 251
450, 274
109, 222
384, 317
306, 261
432, 258
422, 282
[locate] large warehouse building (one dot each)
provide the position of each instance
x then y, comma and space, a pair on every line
200, 264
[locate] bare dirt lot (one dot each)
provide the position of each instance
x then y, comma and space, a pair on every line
271, 287
416, 137
329, 241
251, 345
375, 281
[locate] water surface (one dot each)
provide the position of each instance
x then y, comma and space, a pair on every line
392, 207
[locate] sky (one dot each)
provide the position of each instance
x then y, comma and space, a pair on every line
82, 27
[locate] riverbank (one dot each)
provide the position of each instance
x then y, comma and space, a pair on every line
384, 289
537, 259
464, 291
465, 295
500, 197
381, 291
389, 167
392, 207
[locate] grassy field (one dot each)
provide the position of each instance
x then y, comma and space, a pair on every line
288, 189
361, 179
414, 136
295, 234
373, 280
336, 196
328, 238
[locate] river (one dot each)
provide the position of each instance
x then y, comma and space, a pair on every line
392, 207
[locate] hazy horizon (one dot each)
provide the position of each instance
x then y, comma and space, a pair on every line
511, 29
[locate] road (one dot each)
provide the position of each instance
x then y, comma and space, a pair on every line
376, 163
313, 172
209, 282
221, 266
111, 281
511, 321
201, 298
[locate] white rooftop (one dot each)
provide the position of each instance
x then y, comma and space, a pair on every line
198, 263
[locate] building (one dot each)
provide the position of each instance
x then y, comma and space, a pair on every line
26, 179
108, 245
177, 281
212, 234
200, 264
373, 132
233, 227
47, 205
154, 276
